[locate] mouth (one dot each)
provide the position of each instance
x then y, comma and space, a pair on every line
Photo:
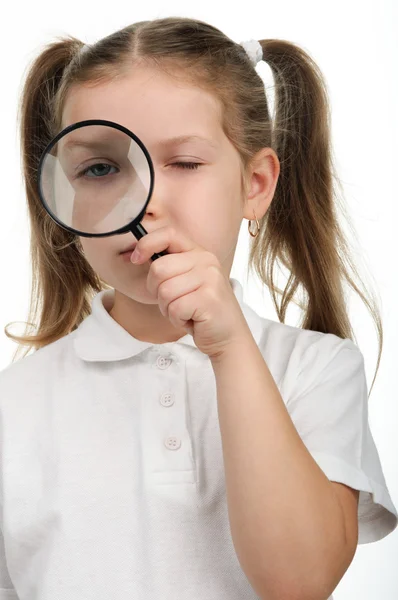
129, 249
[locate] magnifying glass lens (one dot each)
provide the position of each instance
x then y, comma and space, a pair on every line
95, 179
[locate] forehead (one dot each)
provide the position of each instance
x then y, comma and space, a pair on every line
153, 105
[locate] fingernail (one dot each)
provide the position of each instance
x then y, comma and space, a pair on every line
135, 257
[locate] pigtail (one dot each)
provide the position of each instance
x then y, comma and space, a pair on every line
301, 227
65, 276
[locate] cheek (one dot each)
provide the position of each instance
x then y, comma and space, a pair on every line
215, 223
95, 250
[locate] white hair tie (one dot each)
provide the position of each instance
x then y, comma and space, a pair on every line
254, 51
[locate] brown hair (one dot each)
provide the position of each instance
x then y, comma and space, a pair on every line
300, 227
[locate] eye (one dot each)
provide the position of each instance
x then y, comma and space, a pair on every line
187, 165
98, 172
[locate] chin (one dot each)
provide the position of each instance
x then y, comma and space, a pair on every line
138, 295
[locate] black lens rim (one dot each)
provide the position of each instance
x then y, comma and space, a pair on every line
132, 224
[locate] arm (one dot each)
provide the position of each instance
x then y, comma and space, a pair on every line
287, 523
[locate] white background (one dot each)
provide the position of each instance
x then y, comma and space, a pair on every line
356, 46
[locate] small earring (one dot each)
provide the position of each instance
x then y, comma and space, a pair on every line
258, 226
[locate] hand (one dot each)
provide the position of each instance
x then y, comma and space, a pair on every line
192, 291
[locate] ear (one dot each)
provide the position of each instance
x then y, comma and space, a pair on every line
260, 181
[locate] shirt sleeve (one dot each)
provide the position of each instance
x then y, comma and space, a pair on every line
7, 591
329, 408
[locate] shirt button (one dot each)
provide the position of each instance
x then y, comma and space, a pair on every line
172, 443
163, 362
166, 399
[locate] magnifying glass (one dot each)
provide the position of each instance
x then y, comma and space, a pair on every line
95, 179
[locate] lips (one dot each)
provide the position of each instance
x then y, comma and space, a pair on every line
129, 248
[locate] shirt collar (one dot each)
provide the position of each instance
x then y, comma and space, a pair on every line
100, 338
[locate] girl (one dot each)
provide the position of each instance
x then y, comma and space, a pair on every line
164, 440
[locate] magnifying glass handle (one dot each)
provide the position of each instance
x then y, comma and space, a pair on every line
139, 231
158, 254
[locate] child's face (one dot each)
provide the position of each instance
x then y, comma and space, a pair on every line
204, 203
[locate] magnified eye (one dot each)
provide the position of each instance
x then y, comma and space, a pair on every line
98, 172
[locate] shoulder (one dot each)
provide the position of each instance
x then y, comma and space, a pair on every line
28, 375
303, 344
299, 358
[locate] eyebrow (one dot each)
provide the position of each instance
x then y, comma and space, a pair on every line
181, 139
71, 144
174, 141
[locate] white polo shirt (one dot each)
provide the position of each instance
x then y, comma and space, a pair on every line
112, 477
